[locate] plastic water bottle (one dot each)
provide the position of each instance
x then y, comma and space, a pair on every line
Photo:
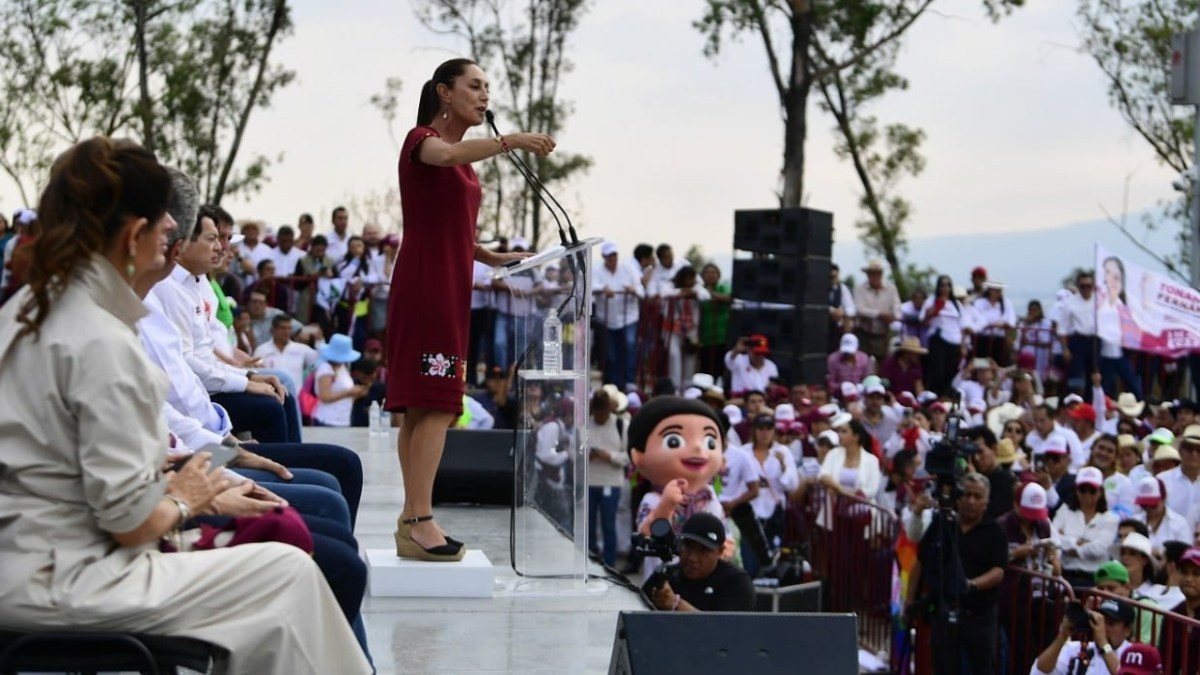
552, 344
374, 420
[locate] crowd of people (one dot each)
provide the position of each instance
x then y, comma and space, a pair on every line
1080, 467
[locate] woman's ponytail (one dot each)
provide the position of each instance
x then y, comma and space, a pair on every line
428, 106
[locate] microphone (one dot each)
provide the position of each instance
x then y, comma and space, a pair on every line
539, 189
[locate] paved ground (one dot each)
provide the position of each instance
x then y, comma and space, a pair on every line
557, 627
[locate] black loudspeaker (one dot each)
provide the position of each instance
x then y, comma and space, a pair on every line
476, 468
804, 233
803, 330
800, 368
785, 280
720, 643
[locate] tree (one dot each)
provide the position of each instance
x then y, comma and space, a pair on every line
881, 157
844, 48
524, 52
1131, 44
182, 76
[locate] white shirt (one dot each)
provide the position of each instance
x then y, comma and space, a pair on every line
180, 296
664, 277
337, 413
338, 245
741, 469
745, 377
778, 477
1068, 660
848, 307
518, 299
255, 254
947, 323
1173, 527
1098, 535
608, 472
293, 359
1183, 494
285, 263
1001, 312
1079, 316
482, 298
622, 308
185, 393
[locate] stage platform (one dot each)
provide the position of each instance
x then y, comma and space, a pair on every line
527, 626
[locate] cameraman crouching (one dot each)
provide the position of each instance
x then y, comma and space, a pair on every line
701, 581
1111, 625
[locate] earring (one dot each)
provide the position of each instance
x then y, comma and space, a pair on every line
130, 270
446, 114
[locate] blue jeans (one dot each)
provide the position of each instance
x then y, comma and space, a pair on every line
341, 463
504, 323
605, 506
262, 416
620, 355
1111, 369
1085, 350
312, 493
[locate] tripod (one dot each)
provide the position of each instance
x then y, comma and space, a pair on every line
947, 586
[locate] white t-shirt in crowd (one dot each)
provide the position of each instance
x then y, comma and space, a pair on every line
741, 469
745, 377
337, 413
947, 323
293, 359
285, 263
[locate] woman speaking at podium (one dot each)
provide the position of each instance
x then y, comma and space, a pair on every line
430, 302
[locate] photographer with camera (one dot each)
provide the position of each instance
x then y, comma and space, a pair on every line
1111, 625
749, 367
701, 581
961, 565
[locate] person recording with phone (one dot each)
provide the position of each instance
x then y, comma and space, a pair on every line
702, 581
749, 367
1100, 638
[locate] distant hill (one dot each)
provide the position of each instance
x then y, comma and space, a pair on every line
1031, 263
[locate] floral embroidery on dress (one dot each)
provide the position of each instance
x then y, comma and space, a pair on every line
439, 365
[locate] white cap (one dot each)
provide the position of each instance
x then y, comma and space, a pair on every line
849, 344
703, 381
1072, 399
829, 410
1033, 504
831, 436
608, 248
734, 413
1055, 445
1090, 475
785, 412
1149, 492
1139, 542
849, 391
692, 392
840, 419
519, 242
874, 388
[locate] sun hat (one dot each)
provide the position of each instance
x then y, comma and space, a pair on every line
340, 349
734, 414
608, 248
617, 396
1006, 452
1129, 405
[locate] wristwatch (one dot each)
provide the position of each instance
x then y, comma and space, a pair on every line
1107, 649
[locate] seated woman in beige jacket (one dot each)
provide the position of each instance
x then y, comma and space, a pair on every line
84, 499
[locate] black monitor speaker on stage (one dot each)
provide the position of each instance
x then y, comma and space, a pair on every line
720, 643
476, 467
800, 232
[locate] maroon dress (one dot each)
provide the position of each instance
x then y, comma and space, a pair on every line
429, 307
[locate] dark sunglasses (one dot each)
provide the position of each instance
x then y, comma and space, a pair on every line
1086, 489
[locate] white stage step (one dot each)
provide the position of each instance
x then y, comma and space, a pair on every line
390, 576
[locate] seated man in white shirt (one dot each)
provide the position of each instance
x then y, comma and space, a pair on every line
1108, 632
257, 403
281, 352
1163, 523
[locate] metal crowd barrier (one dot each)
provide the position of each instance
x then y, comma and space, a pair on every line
1176, 636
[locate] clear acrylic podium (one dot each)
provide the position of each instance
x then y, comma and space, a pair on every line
549, 528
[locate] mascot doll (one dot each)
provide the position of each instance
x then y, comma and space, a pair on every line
677, 444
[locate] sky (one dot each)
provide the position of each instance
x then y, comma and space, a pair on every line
1020, 134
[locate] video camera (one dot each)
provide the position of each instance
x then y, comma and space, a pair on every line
660, 544
946, 461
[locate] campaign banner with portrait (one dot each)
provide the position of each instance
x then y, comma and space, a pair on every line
1144, 310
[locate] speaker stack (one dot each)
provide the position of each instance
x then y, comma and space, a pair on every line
783, 287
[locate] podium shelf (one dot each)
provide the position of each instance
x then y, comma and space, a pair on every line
542, 375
